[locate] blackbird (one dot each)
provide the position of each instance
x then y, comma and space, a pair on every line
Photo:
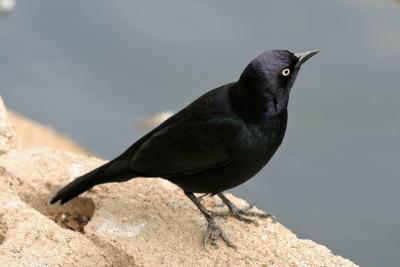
217, 142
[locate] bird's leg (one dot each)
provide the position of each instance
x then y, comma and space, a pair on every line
240, 213
213, 230
202, 196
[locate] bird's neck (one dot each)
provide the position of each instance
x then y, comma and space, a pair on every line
254, 104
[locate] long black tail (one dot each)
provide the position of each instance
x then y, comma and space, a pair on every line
113, 171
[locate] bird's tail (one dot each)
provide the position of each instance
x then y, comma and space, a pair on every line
113, 171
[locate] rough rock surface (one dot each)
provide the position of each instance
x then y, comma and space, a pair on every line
7, 133
143, 222
32, 134
28, 238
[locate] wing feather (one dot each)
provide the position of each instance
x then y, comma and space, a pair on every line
182, 149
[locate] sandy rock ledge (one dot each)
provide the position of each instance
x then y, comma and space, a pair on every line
33, 134
7, 132
144, 222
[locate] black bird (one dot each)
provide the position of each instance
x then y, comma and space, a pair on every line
219, 141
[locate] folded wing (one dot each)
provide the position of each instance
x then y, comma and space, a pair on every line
183, 149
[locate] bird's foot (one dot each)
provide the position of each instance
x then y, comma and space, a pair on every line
243, 213
213, 233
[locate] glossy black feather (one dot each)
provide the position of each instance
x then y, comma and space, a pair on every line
217, 142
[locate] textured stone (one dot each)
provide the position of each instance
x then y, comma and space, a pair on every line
143, 222
33, 134
7, 133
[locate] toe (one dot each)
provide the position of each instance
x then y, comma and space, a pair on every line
212, 234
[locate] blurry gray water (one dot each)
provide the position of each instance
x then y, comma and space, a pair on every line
91, 69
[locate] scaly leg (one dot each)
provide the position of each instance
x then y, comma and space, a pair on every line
213, 230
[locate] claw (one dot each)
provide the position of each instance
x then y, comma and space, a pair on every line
213, 233
213, 230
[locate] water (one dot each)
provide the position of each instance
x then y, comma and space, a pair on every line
91, 69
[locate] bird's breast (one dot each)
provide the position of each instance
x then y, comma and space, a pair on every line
265, 140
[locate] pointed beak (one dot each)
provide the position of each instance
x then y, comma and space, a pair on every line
303, 57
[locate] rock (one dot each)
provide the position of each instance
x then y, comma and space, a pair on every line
143, 222
32, 134
6, 6
28, 238
7, 133
154, 120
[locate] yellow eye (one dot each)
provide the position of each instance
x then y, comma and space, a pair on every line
286, 72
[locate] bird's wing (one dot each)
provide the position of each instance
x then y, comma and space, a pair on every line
182, 149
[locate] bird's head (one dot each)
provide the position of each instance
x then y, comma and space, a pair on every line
269, 77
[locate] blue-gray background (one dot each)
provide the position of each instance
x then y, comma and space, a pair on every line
92, 68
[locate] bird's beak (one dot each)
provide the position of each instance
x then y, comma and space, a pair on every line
304, 56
